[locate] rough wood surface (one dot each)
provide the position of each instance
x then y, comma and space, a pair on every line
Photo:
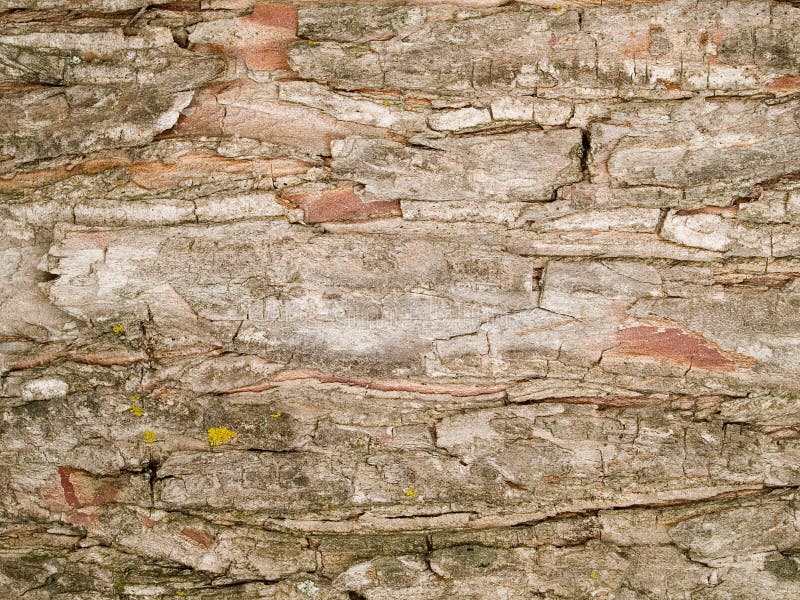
388, 300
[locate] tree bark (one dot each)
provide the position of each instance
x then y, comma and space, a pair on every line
400, 300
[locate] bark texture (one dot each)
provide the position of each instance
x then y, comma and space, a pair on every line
400, 300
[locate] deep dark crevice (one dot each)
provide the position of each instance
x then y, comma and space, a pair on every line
586, 144
356, 596
431, 515
152, 470
47, 276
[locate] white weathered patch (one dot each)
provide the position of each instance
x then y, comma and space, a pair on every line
487, 211
550, 113
170, 117
509, 108
44, 389
461, 118
707, 231
307, 587
346, 108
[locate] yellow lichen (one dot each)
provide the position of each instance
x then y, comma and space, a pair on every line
276, 415
220, 435
149, 436
119, 329
593, 574
136, 410
410, 492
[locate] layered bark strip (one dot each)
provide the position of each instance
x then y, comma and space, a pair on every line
400, 300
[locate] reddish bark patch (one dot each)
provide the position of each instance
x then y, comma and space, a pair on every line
203, 116
671, 343
103, 493
199, 536
85, 518
45, 177
70, 496
265, 35
341, 204
785, 83
639, 45
203, 167
717, 35
267, 56
146, 521
673, 86
50, 355
81, 489
88, 240
275, 15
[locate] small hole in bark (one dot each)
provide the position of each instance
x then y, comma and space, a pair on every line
180, 37
587, 144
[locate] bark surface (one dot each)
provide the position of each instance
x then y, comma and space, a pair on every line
390, 300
